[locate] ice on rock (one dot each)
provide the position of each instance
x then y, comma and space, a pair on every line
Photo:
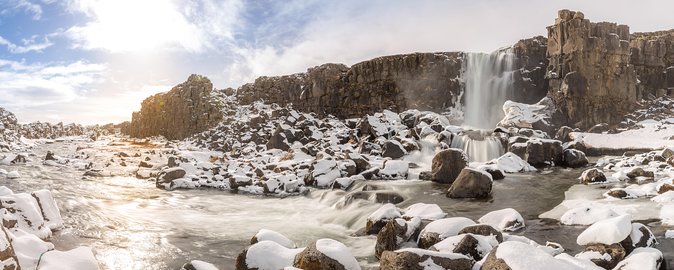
608, 231
586, 215
269, 235
424, 211
642, 259
270, 255
507, 220
81, 258
338, 252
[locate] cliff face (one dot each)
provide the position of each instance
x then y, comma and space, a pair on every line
187, 109
590, 77
653, 59
530, 84
428, 81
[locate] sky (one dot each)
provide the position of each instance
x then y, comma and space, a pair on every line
94, 61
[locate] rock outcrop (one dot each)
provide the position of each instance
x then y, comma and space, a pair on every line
590, 77
652, 55
187, 109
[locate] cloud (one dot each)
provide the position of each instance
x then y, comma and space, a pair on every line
35, 85
130, 25
29, 45
9, 6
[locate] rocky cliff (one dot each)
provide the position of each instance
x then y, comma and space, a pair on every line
590, 77
428, 81
186, 109
653, 59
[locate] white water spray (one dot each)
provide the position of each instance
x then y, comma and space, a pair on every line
488, 80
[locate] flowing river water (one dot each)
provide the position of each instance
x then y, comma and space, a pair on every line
133, 225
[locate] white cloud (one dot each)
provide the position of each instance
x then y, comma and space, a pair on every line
130, 25
35, 85
9, 6
29, 45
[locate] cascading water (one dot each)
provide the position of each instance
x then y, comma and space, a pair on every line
488, 79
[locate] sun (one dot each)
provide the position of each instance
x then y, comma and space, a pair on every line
132, 26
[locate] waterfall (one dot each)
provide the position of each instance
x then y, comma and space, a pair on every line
479, 145
488, 80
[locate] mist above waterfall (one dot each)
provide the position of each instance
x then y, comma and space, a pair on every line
488, 80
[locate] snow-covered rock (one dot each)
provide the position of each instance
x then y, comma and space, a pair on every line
327, 254
424, 211
81, 258
642, 259
586, 215
507, 220
378, 219
607, 231
423, 259
267, 255
520, 256
440, 229
269, 235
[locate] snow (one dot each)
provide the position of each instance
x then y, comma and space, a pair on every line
49, 209
25, 209
669, 234
608, 231
447, 227
524, 115
81, 258
385, 212
424, 211
394, 170
430, 253
593, 255
507, 219
5, 191
484, 246
511, 163
586, 215
268, 255
13, 175
578, 262
28, 248
642, 258
269, 235
521, 256
658, 138
338, 252
667, 214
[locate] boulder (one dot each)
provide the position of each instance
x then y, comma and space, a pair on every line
378, 219
506, 220
447, 165
278, 140
563, 134
543, 152
605, 256
49, 156
575, 158
8, 257
393, 149
471, 183
420, 259
326, 254
483, 229
166, 177
641, 237
593, 175
266, 255
640, 172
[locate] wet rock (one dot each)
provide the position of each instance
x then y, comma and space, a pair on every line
447, 165
378, 219
18, 159
172, 162
542, 152
664, 188
641, 237
362, 164
593, 175
387, 238
643, 258
496, 174
419, 259
617, 193
468, 246
574, 158
564, 134
640, 172
166, 177
471, 183
615, 254
145, 164
314, 258
49, 156
425, 175
393, 149
483, 229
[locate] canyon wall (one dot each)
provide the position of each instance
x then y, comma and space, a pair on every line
653, 60
590, 77
184, 110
